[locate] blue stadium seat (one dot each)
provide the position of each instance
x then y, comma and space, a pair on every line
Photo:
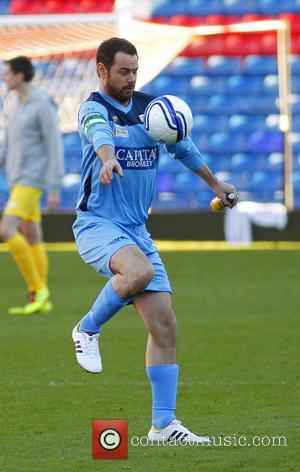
296, 182
272, 123
276, 162
187, 182
47, 68
295, 6
218, 163
168, 8
295, 64
296, 162
260, 65
204, 7
69, 191
207, 124
71, 140
227, 143
169, 165
70, 67
296, 123
73, 163
275, 7
249, 162
240, 7
220, 65
4, 7
72, 152
223, 104
240, 84
165, 182
296, 143
242, 162
239, 180
297, 200
265, 142
170, 201
295, 104
72, 145
202, 141
186, 66
245, 123
167, 84
296, 84
257, 104
270, 85
266, 181
202, 199
3, 183
201, 85
198, 104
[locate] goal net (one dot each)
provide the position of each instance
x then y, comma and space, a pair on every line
63, 50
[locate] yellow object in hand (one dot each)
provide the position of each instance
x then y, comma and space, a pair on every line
217, 205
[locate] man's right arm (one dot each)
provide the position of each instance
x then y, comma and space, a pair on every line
94, 123
106, 154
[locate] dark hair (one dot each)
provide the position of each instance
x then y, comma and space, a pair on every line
22, 64
108, 49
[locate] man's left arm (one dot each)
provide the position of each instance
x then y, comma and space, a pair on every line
54, 149
189, 155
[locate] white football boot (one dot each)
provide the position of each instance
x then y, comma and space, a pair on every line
176, 433
87, 350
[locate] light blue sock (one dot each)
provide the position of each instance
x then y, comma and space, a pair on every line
164, 380
107, 305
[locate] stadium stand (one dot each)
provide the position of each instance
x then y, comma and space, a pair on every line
36, 7
231, 84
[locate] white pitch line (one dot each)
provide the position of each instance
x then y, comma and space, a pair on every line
52, 383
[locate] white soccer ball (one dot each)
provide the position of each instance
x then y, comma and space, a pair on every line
168, 119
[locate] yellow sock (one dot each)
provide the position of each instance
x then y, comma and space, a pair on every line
40, 258
21, 253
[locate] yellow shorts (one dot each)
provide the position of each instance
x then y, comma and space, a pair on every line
24, 202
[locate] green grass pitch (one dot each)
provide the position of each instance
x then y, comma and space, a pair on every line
238, 315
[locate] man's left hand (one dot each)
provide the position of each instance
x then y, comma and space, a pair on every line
222, 189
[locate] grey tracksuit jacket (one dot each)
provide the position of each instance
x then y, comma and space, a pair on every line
33, 150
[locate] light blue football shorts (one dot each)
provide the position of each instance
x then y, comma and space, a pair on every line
98, 239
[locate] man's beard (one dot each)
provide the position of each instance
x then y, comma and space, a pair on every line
122, 95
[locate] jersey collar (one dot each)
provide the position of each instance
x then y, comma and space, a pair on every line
116, 104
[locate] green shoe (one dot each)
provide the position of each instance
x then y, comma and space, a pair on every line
37, 302
42, 297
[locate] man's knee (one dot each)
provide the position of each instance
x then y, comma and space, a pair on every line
139, 276
134, 271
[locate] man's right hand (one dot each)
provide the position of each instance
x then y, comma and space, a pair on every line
107, 170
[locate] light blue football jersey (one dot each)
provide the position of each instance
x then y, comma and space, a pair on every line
127, 199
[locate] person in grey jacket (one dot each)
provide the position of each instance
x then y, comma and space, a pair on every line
33, 158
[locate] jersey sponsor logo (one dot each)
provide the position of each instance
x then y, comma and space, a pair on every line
121, 131
92, 120
116, 240
137, 158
